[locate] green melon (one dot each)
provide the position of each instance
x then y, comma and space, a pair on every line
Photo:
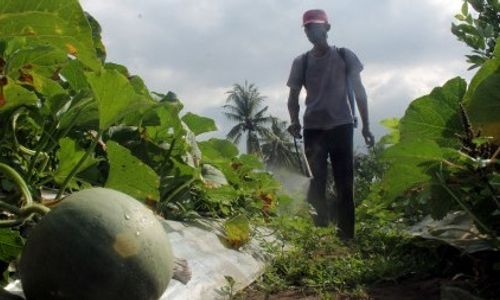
97, 244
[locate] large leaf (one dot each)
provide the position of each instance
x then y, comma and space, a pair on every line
115, 96
392, 124
427, 137
435, 116
69, 155
59, 23
199, 124
411, 163
130, 175
15, 95
11, 244
74, 74
483, 98
170, 124
42, 59
215, 150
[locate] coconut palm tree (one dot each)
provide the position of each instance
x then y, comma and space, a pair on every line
277, 147
244, 106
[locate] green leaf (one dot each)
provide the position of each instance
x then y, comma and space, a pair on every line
478, 5
237, 231
465, 8
393, 136
11, 244
120, 68
199, 124
74, 73
410, 164
15, 95
42, 59
436, 116
83, 114
440, 201
170, 123
217, 150
130, 175
482, 100
59, 23
115, 96
69, 155
251, 161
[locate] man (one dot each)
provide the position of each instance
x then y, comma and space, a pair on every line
326, 72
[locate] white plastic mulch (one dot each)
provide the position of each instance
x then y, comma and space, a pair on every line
210, 261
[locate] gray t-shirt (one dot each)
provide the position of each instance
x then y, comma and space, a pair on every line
327, 105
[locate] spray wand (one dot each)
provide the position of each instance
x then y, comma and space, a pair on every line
302, 158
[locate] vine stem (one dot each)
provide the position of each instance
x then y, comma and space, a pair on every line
471, 214
26, 210
49, 136
78, 165
178, 189
23, 187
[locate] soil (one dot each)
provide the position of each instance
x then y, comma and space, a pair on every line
429, 289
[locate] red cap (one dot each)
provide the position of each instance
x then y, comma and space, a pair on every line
314, 16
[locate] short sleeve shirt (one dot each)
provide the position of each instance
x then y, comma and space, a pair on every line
327, 104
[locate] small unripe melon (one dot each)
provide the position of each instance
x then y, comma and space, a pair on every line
97, 244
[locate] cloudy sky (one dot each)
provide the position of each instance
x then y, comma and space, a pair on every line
200, 48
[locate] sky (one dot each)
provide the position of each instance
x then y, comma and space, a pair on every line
200, 48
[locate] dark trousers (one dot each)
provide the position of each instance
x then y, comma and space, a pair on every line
335, 143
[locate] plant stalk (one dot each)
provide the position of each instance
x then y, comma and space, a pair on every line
464, 207
78, 165
179, 189
19, 181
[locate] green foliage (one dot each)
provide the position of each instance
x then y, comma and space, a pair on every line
70, 120
11, 244
445, 157
130, 175
115, 96
479, 29
59, 23
426, 138
312, 258
482, 100
244, 107
198, 124
68, 155
277, 147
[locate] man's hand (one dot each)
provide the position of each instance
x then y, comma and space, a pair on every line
294, 130
369, 139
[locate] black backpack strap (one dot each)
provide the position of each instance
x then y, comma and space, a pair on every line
305, 63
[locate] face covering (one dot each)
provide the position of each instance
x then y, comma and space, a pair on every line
316, 35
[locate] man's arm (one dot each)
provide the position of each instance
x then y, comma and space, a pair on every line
361, 101
293, 110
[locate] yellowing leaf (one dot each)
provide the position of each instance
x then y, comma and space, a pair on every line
237, 231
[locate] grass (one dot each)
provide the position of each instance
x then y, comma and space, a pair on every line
313, 259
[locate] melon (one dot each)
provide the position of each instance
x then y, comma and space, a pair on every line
97, 244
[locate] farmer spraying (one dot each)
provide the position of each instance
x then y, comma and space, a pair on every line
331, 77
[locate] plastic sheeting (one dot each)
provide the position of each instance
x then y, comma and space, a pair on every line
456, 229
210, 261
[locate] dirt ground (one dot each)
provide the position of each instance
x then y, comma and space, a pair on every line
410, 290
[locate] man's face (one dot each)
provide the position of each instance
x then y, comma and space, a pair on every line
317, 33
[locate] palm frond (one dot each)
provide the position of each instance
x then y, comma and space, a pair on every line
234, 117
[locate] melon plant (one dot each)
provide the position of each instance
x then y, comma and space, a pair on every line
97, 244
